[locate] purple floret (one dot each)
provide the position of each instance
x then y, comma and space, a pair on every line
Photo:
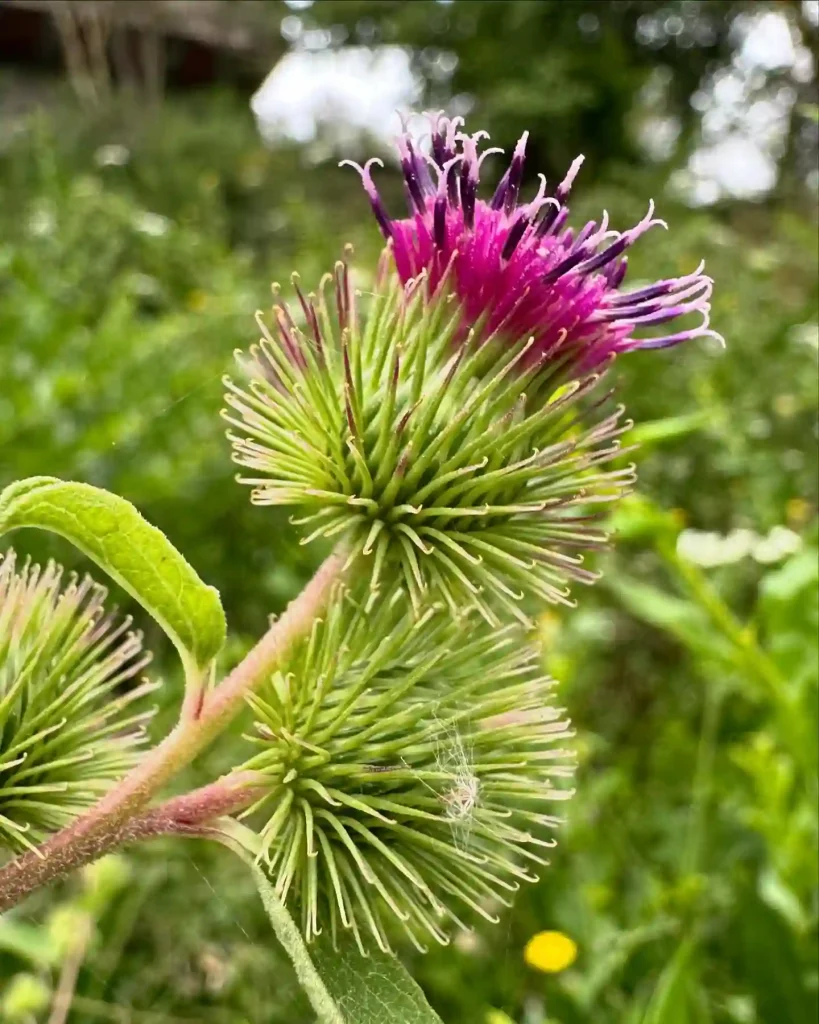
517, 265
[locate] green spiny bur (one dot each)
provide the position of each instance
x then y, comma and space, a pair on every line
409, 764
68, 730
459, 466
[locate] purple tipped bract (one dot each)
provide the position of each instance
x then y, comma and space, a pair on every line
517, 263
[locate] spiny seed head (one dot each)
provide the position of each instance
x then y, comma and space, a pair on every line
466, 467
67, 730
411, 765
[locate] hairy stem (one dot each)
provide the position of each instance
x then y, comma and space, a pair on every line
106, 824
288, 934
192, 814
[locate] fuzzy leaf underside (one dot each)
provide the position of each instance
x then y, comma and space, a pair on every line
375, 989
132, 552
343, 986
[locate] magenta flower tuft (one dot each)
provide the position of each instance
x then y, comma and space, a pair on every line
517, 264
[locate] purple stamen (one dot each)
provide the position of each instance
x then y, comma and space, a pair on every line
377, 205
553, 221
693, 297
586, 232
564, 266
550, 284
675, 339
506, 194
413, 186
452, 191
622, 243
439, 152
565, 187
439, 221
617, 272
470, 167
469, 194
624, 312
516, 232
415, 173
540, 200
515, 174
660, 288
607, 255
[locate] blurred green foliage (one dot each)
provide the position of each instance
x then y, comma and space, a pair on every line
133, 252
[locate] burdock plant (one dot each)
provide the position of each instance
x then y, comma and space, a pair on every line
449, 430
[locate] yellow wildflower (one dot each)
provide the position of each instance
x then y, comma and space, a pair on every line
550, 952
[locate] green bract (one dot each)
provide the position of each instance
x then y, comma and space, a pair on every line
67, 730
462, 461
411, 763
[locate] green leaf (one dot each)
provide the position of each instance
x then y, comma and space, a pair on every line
779, 896
135, 554
670, 1002
26, 941
637, 518
788, 616
612, 957
371, 989
344, 986
809, 111
680, 618
669, 429
767, 953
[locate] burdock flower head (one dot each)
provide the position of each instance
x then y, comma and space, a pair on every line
518, 265
449, 424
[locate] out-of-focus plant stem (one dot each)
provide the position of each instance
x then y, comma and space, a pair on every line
755, 661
